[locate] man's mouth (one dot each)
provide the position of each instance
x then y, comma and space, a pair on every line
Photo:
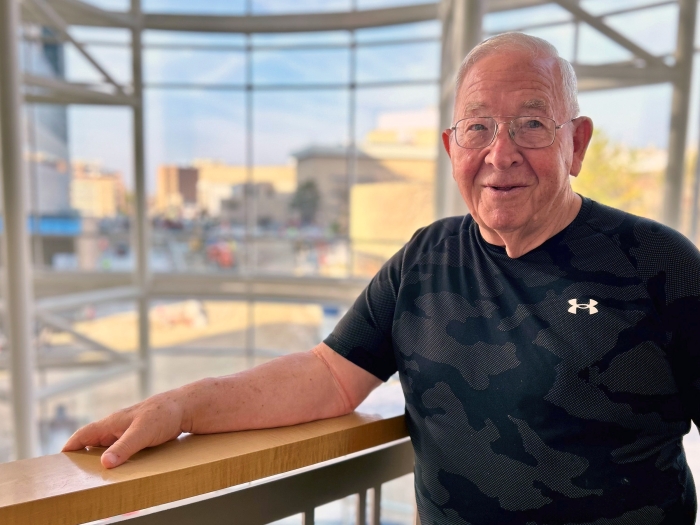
504, 188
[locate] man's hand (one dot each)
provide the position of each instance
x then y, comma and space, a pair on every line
154, 421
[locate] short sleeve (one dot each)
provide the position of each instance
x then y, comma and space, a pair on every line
363, 335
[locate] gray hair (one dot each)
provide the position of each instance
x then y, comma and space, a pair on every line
536, 47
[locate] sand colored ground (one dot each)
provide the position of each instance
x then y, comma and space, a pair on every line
183, 322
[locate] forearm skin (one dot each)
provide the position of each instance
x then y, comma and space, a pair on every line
292, 389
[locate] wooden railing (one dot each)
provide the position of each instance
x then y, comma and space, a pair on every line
74, 488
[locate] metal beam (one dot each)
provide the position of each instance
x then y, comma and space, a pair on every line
627, 74
59, 323
59, 24
60, 92
74, 300
293, 23
140, 239
680, 105
17, 274
93, 378
80, 13
598, 24
461, 31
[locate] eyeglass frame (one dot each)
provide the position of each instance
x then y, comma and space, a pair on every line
510, 132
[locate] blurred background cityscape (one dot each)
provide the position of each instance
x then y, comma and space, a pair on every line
214, 194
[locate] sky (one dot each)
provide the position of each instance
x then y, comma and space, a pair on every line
184, 125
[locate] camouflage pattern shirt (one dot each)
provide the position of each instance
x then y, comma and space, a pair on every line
554, 388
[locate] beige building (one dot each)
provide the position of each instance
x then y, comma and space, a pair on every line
176, 189
400, 153
217, 182
95, 192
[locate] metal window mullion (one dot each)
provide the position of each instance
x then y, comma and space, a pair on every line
249, 197
351, 179
375, 517
361, 516
17, 274
140, 220
679, 113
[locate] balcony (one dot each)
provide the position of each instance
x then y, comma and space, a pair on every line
251, 477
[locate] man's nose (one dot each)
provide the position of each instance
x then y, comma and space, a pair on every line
503, 151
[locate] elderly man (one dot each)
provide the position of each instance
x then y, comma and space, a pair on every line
545, 343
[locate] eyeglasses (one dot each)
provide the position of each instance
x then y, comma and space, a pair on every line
526, 132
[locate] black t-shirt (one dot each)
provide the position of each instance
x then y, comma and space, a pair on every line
554, 388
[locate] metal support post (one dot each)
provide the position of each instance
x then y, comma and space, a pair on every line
361, 517
693, 231
17, 277
140, 230
461, 31
351, 178
679, 113
376, 505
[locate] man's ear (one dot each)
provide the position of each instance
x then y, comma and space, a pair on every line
583, 131
446, 141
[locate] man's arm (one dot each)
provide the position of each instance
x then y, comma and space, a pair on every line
288, 390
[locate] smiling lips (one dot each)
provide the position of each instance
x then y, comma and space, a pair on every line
503, 188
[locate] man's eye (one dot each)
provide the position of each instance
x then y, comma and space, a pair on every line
476, 127
533, 124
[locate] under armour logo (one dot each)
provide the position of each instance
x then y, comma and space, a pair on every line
583, 306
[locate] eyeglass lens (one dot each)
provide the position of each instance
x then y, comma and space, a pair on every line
527, 132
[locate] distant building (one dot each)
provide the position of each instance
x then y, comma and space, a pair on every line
176, 189
270, 207
47, 132
96, 192
401, 150
217, 183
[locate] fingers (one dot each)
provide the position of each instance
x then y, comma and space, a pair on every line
135, 438
101, 433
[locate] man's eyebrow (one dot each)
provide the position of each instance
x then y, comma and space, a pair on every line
473, 107
535, 103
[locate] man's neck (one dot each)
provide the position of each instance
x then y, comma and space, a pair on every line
519, 242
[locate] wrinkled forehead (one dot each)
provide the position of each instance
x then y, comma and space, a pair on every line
510, 83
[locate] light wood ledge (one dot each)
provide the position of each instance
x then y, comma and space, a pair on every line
73, 487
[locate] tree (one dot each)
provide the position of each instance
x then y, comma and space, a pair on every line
306, 201
621, 177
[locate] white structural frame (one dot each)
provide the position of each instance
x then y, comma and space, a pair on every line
462, 29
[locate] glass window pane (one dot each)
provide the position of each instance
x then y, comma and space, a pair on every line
196, 147
154, 37
398, 62
397, 137
562, 37
292, 67
594, 48
652, 29
204, 7
268, 7
512, 19
429, 29
293, 39
380, 4
110, 5
301, 137
111, 324
7, 439
399, 501
600, 7
85, 34
115, 60
193, 339
194, 66
283, 328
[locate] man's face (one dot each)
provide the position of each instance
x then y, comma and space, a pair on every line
508, 188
